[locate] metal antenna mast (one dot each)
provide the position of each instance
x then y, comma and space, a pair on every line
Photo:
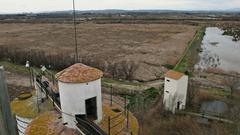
75, 34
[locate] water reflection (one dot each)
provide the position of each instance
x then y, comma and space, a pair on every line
219, 51
214, 107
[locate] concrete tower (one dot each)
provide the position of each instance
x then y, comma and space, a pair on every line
175, 90
80, 93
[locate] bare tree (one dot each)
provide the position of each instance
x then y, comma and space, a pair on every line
129, 68
113, 69
231, 83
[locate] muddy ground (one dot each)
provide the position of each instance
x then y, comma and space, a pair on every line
150, 45
16, 83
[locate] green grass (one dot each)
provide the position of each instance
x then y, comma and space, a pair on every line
14, 67
168, 66
112, 81
143, 99
219, 92
190, 55
21, 69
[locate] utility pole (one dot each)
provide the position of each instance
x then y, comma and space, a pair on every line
75, 31
7, 122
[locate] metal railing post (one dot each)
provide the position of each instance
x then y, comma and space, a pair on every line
109, 125
125, 105
127, 119
111, 96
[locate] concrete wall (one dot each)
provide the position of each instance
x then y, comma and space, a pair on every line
175, 91
22, 124
182, 92
7, 122
170, 87
73, 96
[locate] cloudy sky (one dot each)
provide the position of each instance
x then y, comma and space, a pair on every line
15, 6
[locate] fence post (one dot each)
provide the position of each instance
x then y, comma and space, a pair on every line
125, 105
52, 98
7, 122
109, 125
111, 96
38, 108
127, 119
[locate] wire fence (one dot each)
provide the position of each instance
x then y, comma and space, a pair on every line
123, 116
114, 122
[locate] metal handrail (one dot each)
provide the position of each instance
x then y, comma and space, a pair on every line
119, 131
95, 130
113, 101
114, 117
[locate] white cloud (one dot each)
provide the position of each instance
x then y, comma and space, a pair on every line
53, 5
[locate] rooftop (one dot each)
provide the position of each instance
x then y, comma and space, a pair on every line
79, 73
28, 107
49, 123
174, 74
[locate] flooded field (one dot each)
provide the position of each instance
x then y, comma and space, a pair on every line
219, 52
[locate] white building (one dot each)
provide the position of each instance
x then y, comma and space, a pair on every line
175, 91
80, 93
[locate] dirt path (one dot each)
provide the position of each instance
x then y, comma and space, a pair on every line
16, 84
17, 79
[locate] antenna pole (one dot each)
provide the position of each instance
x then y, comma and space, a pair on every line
75, 34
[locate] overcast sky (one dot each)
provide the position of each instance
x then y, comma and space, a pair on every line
15, 6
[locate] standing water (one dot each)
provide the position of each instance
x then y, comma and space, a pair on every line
219, 51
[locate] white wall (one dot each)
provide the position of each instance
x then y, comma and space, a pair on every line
182, 92
73, 96
22, 124
177, 91
169, 93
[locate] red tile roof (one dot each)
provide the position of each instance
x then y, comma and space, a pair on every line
174, 74
79, 73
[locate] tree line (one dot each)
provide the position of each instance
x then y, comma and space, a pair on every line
124, 69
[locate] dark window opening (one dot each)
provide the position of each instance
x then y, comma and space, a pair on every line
167, 91
91, 108
178, 105
168, 80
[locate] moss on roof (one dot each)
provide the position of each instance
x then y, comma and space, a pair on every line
133, 123
49, 123
27, 108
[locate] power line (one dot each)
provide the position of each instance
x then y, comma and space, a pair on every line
75, 34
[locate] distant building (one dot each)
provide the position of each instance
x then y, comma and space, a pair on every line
175, 91
80, 93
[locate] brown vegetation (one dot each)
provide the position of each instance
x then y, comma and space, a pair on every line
99, 44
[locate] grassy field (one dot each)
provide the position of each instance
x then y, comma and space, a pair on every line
149, 45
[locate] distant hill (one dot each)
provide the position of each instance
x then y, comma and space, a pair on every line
235, 10
120, 11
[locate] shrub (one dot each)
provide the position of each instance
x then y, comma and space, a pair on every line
168, 66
